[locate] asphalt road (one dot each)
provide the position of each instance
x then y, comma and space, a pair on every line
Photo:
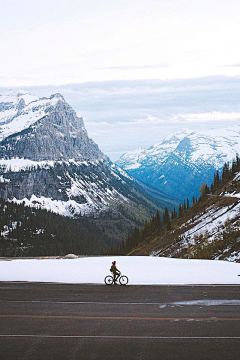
62, 321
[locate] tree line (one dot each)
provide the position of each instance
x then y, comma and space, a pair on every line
26, 231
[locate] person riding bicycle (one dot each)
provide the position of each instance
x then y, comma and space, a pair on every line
115, 271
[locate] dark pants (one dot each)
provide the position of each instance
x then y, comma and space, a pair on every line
116, 275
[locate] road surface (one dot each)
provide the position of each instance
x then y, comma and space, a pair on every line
70, 321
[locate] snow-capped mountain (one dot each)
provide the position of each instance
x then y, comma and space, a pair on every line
43, 129
184, 160
12, 102
156, 154
48, 161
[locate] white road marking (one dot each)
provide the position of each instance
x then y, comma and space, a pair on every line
205, 302
131, 318
125, 337
80, 302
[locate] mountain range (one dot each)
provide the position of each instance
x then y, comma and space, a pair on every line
48, 161
60, 193
183, 161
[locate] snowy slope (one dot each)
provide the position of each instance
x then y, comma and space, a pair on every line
19, 110
85, 193
75, 188
12, 102
212, 229
207, 229
203, 230
151, 270
213, 147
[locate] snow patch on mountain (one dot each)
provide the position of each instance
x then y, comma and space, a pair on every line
210, 224
19, 110
134, 157
68, 208
12, 102
191, 157
96, 200
156, 154
121, 171
214, 146
16, 165
4, 180
87, 191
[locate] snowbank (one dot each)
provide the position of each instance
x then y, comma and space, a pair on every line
140, 270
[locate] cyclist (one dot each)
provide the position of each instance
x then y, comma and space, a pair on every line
115, 271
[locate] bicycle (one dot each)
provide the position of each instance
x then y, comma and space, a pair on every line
122, 279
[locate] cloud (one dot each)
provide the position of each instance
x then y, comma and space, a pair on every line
133, 67
231, 65
177, 119
214, 116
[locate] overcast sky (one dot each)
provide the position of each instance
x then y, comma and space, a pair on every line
135, 70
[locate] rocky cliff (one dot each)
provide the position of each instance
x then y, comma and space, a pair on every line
44, 129
48, 161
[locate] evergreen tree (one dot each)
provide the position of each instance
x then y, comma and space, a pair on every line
184, 206
225, 172
174, 214
156, 222
216, 182
166, 219
180, 210
204, 189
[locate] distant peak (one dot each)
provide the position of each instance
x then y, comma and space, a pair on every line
18, 95
134, 153
16, 92
139, 149
57, 95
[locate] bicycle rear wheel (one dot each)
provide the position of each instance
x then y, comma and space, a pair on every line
123, 280
108, 280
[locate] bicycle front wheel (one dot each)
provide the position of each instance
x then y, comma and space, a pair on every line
123, 280
108, 280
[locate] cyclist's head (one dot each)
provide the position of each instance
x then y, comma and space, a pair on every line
114, 262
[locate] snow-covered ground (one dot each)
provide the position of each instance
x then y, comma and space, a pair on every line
141, 270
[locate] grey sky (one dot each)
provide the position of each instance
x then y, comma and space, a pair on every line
72, 41
99, 53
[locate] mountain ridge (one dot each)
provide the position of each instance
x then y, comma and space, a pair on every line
48, 162
45, 129
184, 160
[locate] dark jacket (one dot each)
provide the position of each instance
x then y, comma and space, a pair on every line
114, 269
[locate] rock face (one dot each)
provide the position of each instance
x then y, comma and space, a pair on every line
48, 161
44, 129
183, 161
